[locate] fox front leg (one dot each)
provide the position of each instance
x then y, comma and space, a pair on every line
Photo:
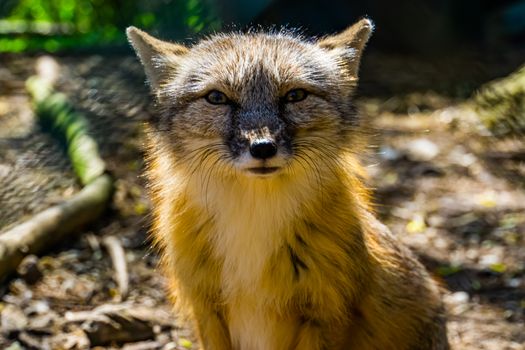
314, 335
213, 332
328, 334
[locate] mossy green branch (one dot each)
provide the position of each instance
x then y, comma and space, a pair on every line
56, 114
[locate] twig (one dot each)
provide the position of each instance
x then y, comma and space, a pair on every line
118, 259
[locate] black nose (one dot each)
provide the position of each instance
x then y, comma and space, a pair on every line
263, 149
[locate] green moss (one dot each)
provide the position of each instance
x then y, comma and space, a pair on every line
501, 105
56, 114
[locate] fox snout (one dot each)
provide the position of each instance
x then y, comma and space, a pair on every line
260, 151
259, 132
263, 148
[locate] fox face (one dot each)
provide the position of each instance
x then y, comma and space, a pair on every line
256, 104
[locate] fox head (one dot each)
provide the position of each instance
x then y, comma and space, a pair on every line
258, 104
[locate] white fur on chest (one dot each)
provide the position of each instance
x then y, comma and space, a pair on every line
252, 223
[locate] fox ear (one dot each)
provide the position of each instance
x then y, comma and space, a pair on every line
159, 58
351, 43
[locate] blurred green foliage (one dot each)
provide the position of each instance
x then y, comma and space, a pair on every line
59, 25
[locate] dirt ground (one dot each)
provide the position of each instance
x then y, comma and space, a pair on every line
451, 191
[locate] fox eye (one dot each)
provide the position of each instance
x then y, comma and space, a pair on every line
216, 98
295, 95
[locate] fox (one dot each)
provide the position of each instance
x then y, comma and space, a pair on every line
260, 208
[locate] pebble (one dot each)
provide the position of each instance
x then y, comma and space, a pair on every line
458, 298
422, 150
489, 259
458, 302
513, 282
389, 153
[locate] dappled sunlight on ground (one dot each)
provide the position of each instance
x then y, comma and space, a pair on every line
452, 192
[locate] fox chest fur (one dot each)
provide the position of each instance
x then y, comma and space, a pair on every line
266, 256
260, 212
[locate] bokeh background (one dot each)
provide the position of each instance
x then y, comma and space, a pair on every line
429, 27
441, 90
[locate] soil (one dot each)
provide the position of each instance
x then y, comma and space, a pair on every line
444, 185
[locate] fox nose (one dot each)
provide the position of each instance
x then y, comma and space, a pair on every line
263, 149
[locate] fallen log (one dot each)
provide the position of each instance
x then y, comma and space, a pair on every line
54, 224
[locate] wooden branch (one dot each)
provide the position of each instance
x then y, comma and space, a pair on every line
120, 323
54, 224
118, 259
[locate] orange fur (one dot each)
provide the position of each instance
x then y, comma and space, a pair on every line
295, 259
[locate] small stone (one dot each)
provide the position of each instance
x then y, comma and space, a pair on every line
458, 302
513, 283
389, 153
489, 260
459, 298
422, 150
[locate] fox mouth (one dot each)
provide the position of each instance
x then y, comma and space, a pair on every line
263, 170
